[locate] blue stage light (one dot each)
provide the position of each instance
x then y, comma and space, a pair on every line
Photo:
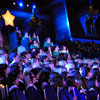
34, 6
27, 5
14, 3
21, 4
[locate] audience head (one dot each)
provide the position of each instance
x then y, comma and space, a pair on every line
4, 70
16, 57
86, 72
13, 77
48, 40
26, 34
70, 81
32, 76
44, 77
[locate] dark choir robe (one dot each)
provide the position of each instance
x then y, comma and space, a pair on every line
15, 93
49, 92
40, 90
98, 90
65, 95
93, 94
21, 85
32, 93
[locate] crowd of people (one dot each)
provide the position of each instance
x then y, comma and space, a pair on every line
63, 71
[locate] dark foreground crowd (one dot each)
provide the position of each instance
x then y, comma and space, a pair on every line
65, 71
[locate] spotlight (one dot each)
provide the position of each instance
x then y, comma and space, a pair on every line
34, 6
14, 3
20, 4
27, 5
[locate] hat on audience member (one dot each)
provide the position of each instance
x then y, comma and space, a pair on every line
21, 49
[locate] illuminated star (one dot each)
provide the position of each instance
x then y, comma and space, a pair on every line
9, 18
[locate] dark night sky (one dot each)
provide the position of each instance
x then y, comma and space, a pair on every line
74, 8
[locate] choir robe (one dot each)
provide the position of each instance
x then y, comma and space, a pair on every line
65, 95
21, 85
93, 94
49, 92
15, 93
32, 93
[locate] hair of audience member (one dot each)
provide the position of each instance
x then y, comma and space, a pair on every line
52, 76
85, 71
3, 73
22, 58
44, 77
62, 56
47, 69
58, 80
28, 63
98, 78
64, 75
95, 72
31, 72
34, 54
3, 67
43, 58
34, 71
70, 81
24, 53
11, 78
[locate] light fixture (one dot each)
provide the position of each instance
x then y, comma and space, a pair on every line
14, 3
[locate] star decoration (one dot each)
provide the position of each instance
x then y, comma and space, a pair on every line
9, 18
